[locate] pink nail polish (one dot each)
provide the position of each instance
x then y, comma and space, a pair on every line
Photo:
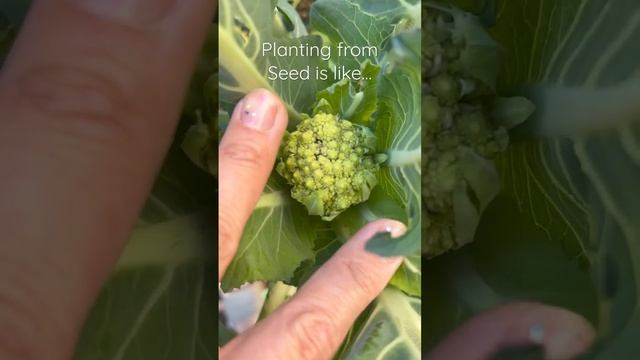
258, 111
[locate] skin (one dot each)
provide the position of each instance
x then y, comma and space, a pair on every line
89, 100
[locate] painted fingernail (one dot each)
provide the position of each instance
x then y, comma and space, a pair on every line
258, 111
395, 229
536, 333
133, 11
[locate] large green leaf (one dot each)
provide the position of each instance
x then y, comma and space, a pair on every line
511, 259
361, 23
399, 136
244, 27
574, 174
276, 239
154, 312
587, 95
408, 278
390, 330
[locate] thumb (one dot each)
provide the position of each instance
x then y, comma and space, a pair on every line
247, 153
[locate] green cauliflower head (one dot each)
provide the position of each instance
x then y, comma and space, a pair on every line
461, 133
330, 164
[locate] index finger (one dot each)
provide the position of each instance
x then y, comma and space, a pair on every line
89, 97
247, 154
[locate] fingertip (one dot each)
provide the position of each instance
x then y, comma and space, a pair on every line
393, 227
269, 96
569, 334
264, 94
261, 110
562, 333
355, 247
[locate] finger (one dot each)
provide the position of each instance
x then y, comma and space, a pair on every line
562, 333
247, 154
314, 322
89, 97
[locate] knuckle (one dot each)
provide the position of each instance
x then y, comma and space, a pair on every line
243, 153
312, 333
362, 276
74, 98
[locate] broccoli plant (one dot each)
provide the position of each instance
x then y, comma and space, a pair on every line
329, 163
352, 150
564, 227
464, 126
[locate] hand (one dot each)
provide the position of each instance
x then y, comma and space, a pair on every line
313, 323
561, 333
89, 99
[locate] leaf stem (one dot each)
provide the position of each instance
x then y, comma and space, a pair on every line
174, 242
566, 111
271, 200
278, 295
401, 158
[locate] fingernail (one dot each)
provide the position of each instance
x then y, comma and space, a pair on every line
395, 229
134, 11
536, 333
258, 111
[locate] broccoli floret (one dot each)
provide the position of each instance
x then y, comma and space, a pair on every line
461, 137
330, 164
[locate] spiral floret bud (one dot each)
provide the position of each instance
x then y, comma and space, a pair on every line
329, 162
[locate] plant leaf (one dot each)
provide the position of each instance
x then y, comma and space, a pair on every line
391, 330
360, 23
408, 278
243, 29
399, 136
577, 184
355, 101
278, 237
510, 260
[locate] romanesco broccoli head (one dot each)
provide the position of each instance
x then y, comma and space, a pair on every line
330, 164
461, 133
